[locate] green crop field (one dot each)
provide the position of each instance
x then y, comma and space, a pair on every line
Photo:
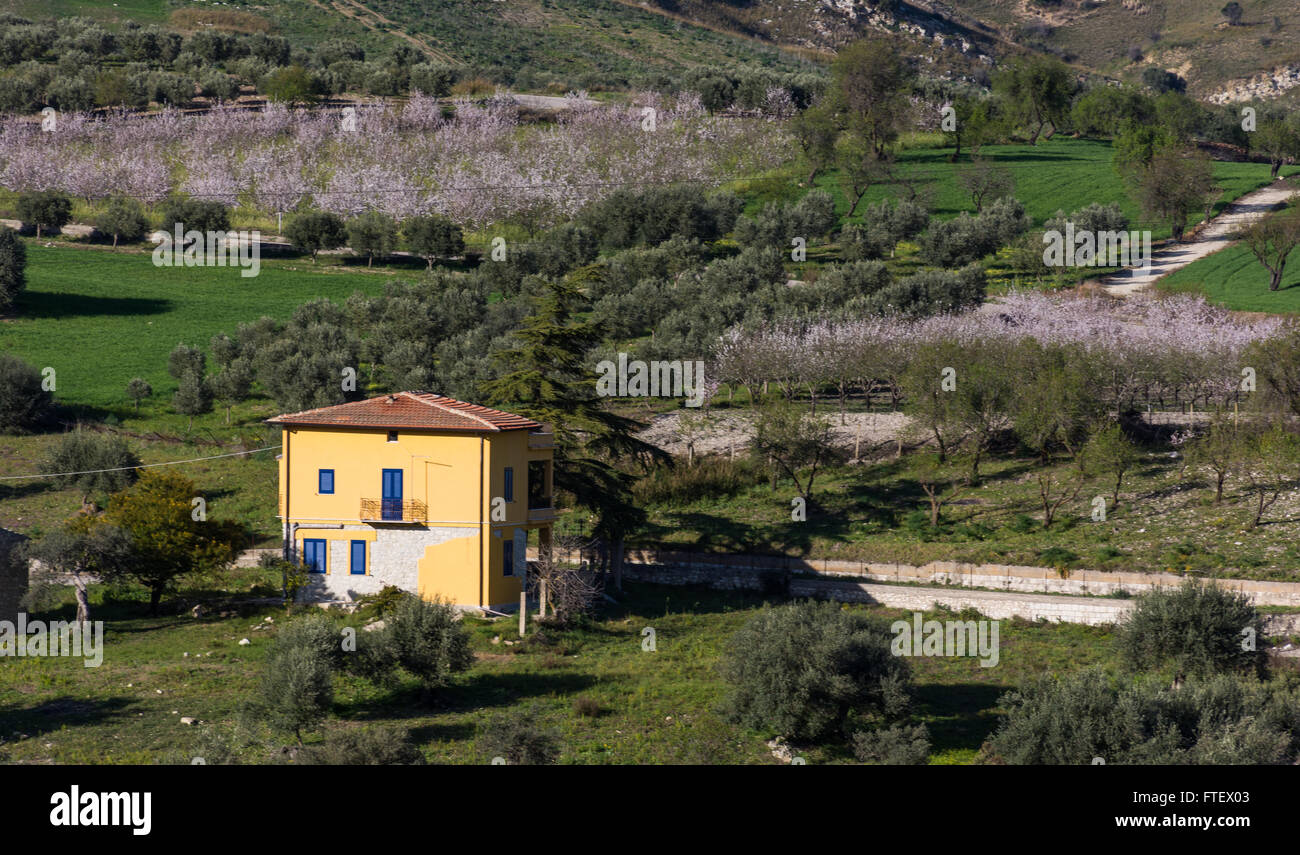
1235, 279
1059, 174
100, 318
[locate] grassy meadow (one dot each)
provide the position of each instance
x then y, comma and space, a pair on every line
1235, 279
1166, 520
649, 707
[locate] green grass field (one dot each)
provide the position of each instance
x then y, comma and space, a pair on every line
100, 318
1233, 278
144, 11
1060, 174
654, 707
878, 512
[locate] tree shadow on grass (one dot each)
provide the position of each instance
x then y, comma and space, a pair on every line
55, 304
443, 732
21, 489
477, 690
960, 715
49, 716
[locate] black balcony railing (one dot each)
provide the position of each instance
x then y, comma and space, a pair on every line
394, 510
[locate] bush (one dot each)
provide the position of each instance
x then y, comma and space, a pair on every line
801, 670
316, 230
364, 746
13, 269
898, 745
422, 638
927, 293
44, 210
122, 218
709, 477
517, 738
587, 707
778, 225
433, 237
372, 234
1222, 720
962, 240
24, 405
203, 215
85, 451
297, 687
1094, 218
629, 218
1197, 629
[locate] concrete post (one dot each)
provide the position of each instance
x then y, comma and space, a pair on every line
523, 612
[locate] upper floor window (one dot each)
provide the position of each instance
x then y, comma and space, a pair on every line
325, 481
392, 436
510, 484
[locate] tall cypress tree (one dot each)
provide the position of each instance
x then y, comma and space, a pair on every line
549, 378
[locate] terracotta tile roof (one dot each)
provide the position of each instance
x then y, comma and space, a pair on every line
412, 410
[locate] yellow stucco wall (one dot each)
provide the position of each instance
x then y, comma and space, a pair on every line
457, 475
440, 470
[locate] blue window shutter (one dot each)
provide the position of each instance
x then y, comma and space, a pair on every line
510, 484
508, 557
314, 555
326, 481
358, 558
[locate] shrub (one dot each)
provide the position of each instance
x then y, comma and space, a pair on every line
203, 215
1094, 218
898, 745
44, 210
517, 738
628, 217
13, 269
297, 688
372, 234
85, 451
122, 218
433, 237
422, 638
138, 389
587, 707
962, 240
316, 230
24, 405
928, 292
1220, 720
777, 225
364, 746
1197, 629
801, 670
709, 477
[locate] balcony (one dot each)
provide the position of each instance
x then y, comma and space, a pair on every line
541, 439
540, 509
394, 511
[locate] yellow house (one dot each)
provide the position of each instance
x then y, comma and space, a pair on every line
433, 495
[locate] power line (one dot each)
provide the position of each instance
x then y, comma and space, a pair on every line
141, 466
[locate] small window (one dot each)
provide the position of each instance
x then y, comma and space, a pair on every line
313, 554
358, 558
392, 436
508, 557
325, 483
510, 484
